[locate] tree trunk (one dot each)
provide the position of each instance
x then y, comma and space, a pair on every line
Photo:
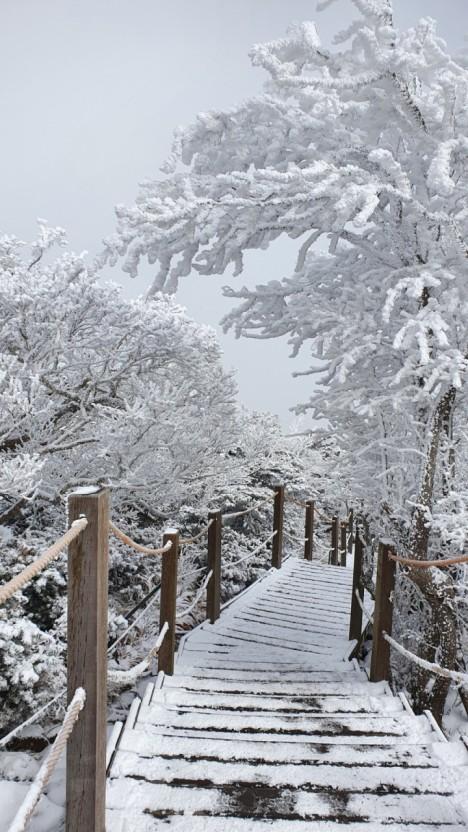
440, 642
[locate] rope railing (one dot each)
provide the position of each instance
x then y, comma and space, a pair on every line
10, 587
323, 516
33, 796
89, 512
188, 540
294, 540
144, 550
255, 551
461, 679
427, 564
233, 514
30, 720
132, 626
295, 500
123, 678
184, 613
369, 618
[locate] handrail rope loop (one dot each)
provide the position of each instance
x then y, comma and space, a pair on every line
145, 550
197, 598
461, 679
126, 677
255, 551
369, 617
31, 719
132, 626
231, 515
10, 587
34, 794
427, 564
186, 541
324, 516
290, 499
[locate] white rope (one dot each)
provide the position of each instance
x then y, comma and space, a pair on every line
192, 572
460, 679
199, 594
128, 677
188, 540
290, 499
35, 716
16, 583
233, 514
368, 617
134, 623
33, 796
144, 550
255, 551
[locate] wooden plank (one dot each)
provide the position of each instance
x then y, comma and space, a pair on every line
383, 614
87, 662
213, 590
168, 602
278, 516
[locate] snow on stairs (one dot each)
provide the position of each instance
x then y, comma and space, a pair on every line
267, 726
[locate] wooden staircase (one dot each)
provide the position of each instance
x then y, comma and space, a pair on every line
266, 725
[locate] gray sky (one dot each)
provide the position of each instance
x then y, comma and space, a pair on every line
91, 91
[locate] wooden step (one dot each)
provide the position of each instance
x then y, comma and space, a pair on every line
149, 740
266, 727
352, 777
146, 823
342, 726
267, 802
307, 704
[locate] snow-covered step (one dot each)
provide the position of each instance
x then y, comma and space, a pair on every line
355, 779
376, 725
268, 802
267, 727
255, 751
179, 823
212, 702
317, 684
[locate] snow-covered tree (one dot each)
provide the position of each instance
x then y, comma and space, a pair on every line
97, 388
361, 153
94, 388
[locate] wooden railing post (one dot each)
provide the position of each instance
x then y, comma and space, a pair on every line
335, 535
309, 530
87, 661
168, 602
278, 513
213, 589
350, 530
383, 614
355, 621
343, 529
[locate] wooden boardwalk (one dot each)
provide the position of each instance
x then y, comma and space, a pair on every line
266, 725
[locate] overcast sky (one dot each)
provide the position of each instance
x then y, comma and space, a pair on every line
91, 91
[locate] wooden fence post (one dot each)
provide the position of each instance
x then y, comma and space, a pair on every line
309, 530
168, 602
335, 526
383, 613
87, 661
355, 620
213, 589
350, 530
278, 512
343, 529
